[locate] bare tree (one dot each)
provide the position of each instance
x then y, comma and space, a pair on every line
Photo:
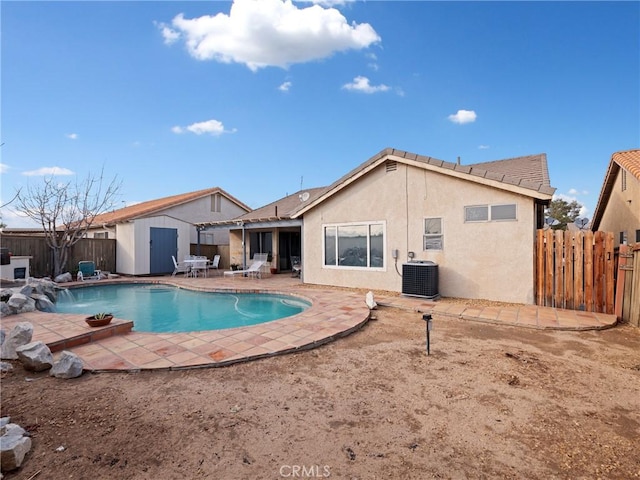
67, 210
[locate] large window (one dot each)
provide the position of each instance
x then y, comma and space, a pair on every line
354, 245
433, 236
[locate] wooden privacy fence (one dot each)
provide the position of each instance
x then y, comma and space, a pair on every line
101, 251
575, 270
628, 284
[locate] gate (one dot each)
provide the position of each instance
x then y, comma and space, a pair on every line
575, 270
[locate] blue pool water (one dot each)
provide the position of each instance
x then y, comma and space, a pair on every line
163, 308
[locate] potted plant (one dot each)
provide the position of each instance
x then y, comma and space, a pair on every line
99, 319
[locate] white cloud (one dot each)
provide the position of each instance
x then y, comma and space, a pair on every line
463, 116
72, 136
44, 171
361, 84
169, 34
212, 127
4, 168
285, 87
266, 33
573, 191
483, 147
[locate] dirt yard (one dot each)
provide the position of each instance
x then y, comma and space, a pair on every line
489, 402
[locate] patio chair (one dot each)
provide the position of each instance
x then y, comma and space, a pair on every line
296, 267
254, 270
179, 267
87, 271
215, 263
199, 266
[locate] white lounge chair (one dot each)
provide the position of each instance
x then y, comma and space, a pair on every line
254, 270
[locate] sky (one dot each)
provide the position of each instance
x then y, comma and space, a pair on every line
265, 98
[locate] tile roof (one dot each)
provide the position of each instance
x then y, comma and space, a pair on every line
281, 209
153, 206
529, 172
627, 159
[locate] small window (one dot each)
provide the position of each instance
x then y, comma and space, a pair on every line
101, 235
623, 238
503, 212
637, 235
433, 237
478, 213
216, 203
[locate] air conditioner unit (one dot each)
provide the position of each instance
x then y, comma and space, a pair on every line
420, 279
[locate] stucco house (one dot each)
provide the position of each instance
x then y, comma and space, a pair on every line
476, 222
147, 234
618, 207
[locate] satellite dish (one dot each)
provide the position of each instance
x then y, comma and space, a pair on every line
304, 196
552, 222
581, 222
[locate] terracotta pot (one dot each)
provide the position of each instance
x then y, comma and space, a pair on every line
274, 271
98, 322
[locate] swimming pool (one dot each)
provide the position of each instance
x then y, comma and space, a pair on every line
164, 308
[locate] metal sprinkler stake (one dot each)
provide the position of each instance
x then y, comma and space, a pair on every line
429, 324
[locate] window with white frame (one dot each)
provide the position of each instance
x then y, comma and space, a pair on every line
490, 213
354, 245
101, 235
433, 235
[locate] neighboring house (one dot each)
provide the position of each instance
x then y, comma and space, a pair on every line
618, 207
147, 234
269, 229
476, 222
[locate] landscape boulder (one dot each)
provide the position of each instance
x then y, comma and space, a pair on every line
25, 298
20, 335
43, 303
64, 278
35, 356
14, 445
5, 367
68, 365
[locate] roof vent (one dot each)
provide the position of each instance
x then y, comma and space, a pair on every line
391, 166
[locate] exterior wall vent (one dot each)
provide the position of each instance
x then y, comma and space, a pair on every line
420, 279
391, 166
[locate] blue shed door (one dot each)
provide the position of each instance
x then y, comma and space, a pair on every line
162, 244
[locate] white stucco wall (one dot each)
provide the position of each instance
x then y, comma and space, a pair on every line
622, 212
490, 260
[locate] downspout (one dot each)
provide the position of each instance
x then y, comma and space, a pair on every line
198, 244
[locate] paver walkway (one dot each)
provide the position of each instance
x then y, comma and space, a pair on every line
334, 313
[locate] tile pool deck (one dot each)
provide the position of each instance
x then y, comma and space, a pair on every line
334, 313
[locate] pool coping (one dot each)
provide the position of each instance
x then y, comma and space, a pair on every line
118, 348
